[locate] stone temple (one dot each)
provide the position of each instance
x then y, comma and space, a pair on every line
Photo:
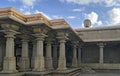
33, 45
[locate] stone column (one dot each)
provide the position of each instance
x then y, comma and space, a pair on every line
74, 59
39, 64
9, 64
55, 56
49, 64
79, 55
24, 61
62, 57
101, 46
33, 53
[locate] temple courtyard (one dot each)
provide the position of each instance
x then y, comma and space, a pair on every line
33, 45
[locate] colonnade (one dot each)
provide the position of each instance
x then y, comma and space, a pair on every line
39, 62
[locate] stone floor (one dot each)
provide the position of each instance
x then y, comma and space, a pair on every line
101, 74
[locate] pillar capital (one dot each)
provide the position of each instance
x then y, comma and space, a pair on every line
62, 37
40, 36
40, 29
75, 43
9, 26
101, 44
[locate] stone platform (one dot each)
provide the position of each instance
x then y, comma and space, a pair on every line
68, 72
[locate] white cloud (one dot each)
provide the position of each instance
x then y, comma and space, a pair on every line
78, 9
71, 17
114, 15
37, 11
110, 3
86, 2
27, 13
80, 1
93, 16
56, 16
28, 3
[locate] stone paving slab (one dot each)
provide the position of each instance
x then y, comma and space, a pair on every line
101, 74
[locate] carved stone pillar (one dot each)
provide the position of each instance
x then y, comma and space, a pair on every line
39, 58
79, 55
101, 58
24, 62
62, 58
9, 63
74, 59
40, 34
33, 53
49, 64
55, 56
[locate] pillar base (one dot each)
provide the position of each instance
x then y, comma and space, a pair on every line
49, 65
39, 64
74, 62
55, 63
62, 64
9, 65
32, 62
24, 64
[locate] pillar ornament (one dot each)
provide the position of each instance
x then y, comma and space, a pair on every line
49, 63
62, 58
101, 47
74, 59
9, 63
39, 58
24, 61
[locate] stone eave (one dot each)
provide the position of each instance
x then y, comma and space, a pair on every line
102, 40
99, 28
11, 12
67, 29
22, 22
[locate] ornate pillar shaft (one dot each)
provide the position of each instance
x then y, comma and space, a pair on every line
74, 59
33, 53
79, 56
39, 58
55, 56
62, 57
49, 64
9, 64
101, 47
101, 54
25, 63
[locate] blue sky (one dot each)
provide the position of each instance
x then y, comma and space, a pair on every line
100, 12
